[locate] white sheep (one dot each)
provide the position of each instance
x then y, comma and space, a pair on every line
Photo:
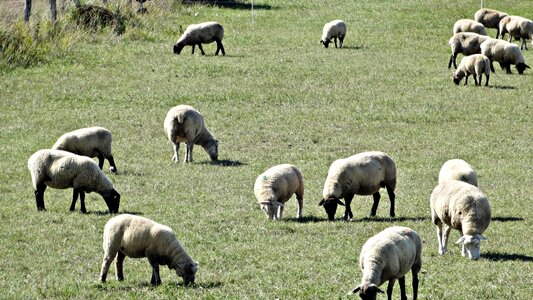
198, 34
467, 25
490, 18
183, 123
476, 65
458, 169
333, 30
136, 237
517, 27
462, 206
60, 170
388, 256
467, 43
276, 186
361, 174
91, 142
505, 53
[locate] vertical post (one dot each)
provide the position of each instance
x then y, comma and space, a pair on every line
27, 11
53, 10
252, 15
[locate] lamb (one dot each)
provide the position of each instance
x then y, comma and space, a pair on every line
136, 237
276, 186
490, 18
505, 53
91, 142
333, 30
183, 123
198, 34
517, 27
467, 43
388, 256
361, 174
60, 170
476, 65
462, 206
467, 25
458, 169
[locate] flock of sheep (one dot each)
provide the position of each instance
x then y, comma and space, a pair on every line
456, 202
470, 38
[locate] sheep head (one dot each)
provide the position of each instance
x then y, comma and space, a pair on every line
112, 199
271, 209
330, 205
187, 271
521, 67
367, 291
212, 150
471, 245
178, 47
325, 43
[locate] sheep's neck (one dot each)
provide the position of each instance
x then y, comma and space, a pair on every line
177, 255
372, 272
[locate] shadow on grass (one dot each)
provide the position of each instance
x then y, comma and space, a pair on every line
507, 219
202, 285
496, 256
391, 220
105, 212
229, 4
308, 219
352, 47
503, 87
224, 163
129, 173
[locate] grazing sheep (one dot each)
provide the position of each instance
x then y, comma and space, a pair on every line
91, 142
505, 53
476, 65
136, 237
462, 206
490, 18
361, 174
183, 123
517, 27
60, 170
276, 186
388, 256
458, 169
467, 25
467, 43
198, 34
333, 30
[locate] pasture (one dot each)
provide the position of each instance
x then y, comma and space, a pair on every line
276, 97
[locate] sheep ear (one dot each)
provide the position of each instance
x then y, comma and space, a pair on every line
264, 202
481, 238
281, 204
355, 290
322, 202
461, 240
194, 266
339, 202
527, 66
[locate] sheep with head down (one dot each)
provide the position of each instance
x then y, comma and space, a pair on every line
276, 186
333, 30
505, 53
517, 27
475, 65
198, 34
466, 43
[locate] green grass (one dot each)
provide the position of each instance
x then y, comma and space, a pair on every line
276, 97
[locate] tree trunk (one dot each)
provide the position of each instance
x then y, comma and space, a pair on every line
27, 11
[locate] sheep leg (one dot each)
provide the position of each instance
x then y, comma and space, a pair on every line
439, 237
374, 209
479, 80
100, 161
453, 59
390, 286
156, 279
75, 194
201, 49
492, 67
392, 199
188, 154
220, 47
176, 148
335, 40
119, 266
475, 79
507, 68
193, 49
113, 167
39, 196
401, 281
82, 202
348, 215
446, 235
466, 78
341, 40
486, 80
300, 198
108, 259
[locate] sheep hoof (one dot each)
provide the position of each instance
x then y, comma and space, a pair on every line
113, 169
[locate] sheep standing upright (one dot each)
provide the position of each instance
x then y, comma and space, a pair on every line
505, 53
276, 186
361, 174
333, 30
388, 256
467, 43
476, 65
136, 237
183, 123
490, 18
198, 34
467, 25
517, 27
60, 170
458, 169
462, 206
90, 142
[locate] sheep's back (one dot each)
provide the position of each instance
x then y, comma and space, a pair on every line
205, 33
277, 183
86, 141
181, 121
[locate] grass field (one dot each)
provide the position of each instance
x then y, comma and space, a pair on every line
276, 97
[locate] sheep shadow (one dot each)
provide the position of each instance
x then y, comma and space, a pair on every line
507, 219
224, 163
353, 47
496, 256
129, 173
503, 87
307, 219
391, 220
232, 4
202, 285
105, 212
